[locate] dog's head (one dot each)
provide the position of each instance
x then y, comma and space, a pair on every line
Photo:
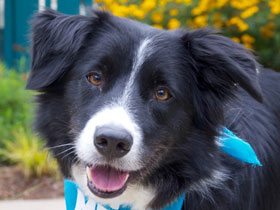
126, 106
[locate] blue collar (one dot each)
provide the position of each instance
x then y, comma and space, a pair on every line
76, 200
227, 142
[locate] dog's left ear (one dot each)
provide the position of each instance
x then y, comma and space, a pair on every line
56, 41
221, 64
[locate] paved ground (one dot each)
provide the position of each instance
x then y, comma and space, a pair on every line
55, 204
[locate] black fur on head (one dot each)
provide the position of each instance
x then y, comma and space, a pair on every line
56, 41
219, 66
202, 69
216, 67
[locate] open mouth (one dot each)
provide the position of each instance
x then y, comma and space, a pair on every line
105, 181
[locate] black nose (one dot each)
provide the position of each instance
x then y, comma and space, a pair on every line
112, 142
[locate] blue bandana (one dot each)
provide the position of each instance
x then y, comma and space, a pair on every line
236, 147
227, 141
76, 200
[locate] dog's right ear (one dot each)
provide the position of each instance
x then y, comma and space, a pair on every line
56, 40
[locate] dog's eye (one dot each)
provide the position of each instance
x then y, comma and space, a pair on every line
162, 94
95, 78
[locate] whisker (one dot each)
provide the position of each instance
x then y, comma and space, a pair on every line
172, 148
75, 159
64, 151
68, 154
239, 113
61, 145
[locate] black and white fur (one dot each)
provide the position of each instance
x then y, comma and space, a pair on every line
213, 81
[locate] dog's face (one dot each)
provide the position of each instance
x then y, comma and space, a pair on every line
127, 107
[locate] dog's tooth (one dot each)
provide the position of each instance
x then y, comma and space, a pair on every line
126, 178
89, 174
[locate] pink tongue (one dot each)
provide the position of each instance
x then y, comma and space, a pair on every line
107, 178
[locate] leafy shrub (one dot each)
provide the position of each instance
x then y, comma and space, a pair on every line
18, 145
28, 152
15, 104
254, 23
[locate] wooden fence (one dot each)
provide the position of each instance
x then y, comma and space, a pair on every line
14, 34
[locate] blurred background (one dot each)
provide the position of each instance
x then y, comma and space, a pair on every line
27, 170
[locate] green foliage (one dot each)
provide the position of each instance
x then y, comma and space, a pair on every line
28, 152
18, 145
15, 104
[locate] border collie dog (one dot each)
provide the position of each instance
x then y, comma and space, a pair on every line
132, 112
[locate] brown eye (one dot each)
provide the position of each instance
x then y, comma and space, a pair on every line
95, 79
162, 94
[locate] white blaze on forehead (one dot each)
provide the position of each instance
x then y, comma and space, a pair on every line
144, 50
